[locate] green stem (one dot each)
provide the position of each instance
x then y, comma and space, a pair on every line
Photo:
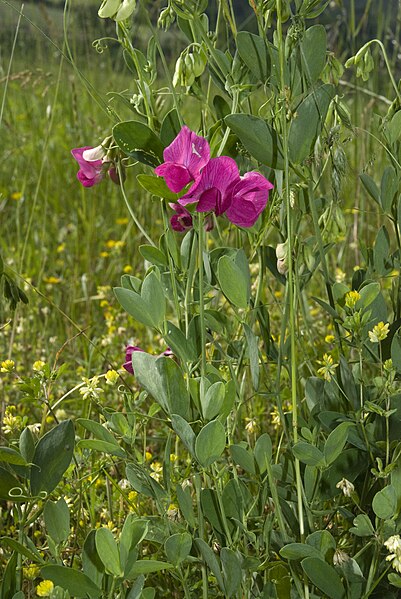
171, 266
386, 60
132, 213
290, 283
201, 243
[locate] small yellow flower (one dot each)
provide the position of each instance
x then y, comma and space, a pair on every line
104, 254
60, 248
173, 457
329, 338
127, 269
328, 367
31, 572
388, 365
7, 366
132, 495
113, 244
111, 377
148, 456
52, 280
38, 366
351, 299
122, 221
49, 419
379, 332
16, 195
44, 588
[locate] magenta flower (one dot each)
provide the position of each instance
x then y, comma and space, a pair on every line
128, 357
249, 197
211, 191
184, 159
182, 219
90, 172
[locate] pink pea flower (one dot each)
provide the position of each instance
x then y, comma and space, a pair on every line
212, 191
249, 197
184, 159
91, 166
128, 357
182, 219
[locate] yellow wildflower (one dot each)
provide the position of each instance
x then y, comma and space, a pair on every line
111, 377
329, 338
38, 366
31, 572
148, 456
379, 332
52, 280
132, 495
104, 254
60, 248
45, 588
17, 195
127, 269
351, 299
328, 367
7, 366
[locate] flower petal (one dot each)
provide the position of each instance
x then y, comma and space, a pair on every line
175, 175
188, 149
249, 199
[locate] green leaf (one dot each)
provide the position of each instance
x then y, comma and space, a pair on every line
98, 430
8, 482
211, 560
263, 452
213, 400
156, 186
153, 255
179, 344
11, 456
308, 122
384, 503
137, 140
52, 457
27, 444
253, 350
394, 128
107, 549
370, 187
232, 282
299, 551
381, 251
335, 442
324, 577
210, 443
368, 294
307, 453
259, 138
254, 51
104, 446
75, 582
232, 573
177, 547
388, 189
57, 520
185, 504
146, 566
133, 303
313, 52
142, 482
153, 296
393, 578
243, 458
133, 532
362, 526
323, 542
396, 351
184, 431
164, 380
20, 548
170, 128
